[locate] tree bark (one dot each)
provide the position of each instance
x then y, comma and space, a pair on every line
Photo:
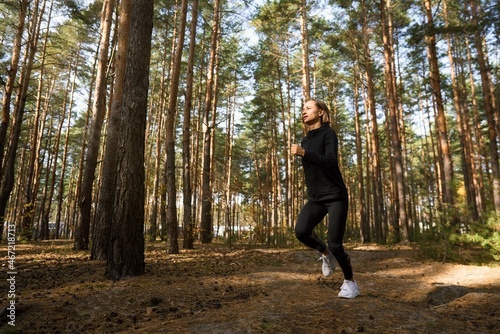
462, 109
8, 177
489, 106
446, 162
62, 176
364, 223
82, 231
33, 180
206, 205
228, 165
399, 222
10, 83
478, 145
306, 79
173, 246
188, 223
104, 217
374, 166
126, 255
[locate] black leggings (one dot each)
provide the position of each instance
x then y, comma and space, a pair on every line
311, 215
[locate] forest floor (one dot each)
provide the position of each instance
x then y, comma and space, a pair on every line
215, 289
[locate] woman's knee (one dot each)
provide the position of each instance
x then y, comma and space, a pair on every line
336, 248
300, 232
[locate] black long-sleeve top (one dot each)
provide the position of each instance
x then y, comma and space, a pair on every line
320, 161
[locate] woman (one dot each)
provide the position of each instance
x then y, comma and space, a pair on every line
327, 193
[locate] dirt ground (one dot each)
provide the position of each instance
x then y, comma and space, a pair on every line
214, 289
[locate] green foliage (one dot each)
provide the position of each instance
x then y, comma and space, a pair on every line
476, 242
486, 236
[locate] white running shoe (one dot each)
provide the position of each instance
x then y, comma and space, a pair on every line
349, 289
328, 264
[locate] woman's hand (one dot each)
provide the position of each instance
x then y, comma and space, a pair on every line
297, 150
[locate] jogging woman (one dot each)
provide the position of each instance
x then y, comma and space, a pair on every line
327, 194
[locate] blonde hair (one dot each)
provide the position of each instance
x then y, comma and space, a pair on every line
325, 118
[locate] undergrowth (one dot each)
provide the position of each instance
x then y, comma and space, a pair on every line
475, 243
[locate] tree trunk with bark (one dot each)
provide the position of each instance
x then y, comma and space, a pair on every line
173, 245
364, 223
446, 163
306, 79
104, 217
462, 109
10, 84
82, 231
489, 105
206, 205
126, 254
8, 177
374, 165
188, 223
399, 221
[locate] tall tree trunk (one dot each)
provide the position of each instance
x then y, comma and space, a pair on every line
126, 255
489, 105
104, 219
363, 221
62, 177
153, 224
173, 246
213, 122
51, 188
9, 86
306, 79
42, 227
273, 177
286, 130
8, 176
293, 191
400, 220
34, 162
73, 220
56, 148
206, 205
188, 230
462, 108
446, 162
432, 179
478, 145
82, 231
228, 166
33, 179
374, 165
197, 152
165, 228
159, 192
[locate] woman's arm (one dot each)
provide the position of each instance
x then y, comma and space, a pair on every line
330, 159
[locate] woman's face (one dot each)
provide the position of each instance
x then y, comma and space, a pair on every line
311, 114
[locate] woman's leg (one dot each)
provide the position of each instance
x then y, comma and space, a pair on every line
337, 220
311, 215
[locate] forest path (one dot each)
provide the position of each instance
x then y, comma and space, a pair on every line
214, 289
